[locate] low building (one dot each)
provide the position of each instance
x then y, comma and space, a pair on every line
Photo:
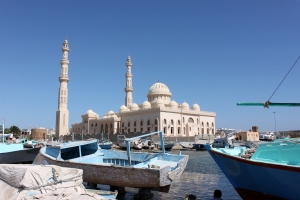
248, 136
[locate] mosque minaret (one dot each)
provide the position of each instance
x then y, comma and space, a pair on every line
128, 89
62, 113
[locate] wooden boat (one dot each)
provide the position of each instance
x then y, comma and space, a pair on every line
121, 142
267, 169
15, 153
105, 143
153, 171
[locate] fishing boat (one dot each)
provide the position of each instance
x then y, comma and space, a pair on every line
153, 171
272, 171
122, 143
105, 143
268, 171
13, 152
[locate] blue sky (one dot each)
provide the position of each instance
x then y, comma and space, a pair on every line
214, 53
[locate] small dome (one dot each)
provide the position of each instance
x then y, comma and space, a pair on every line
114, 116
134, 107
104, 116
89, 112
111, 112
185, 106
146, 105
173, 104
196, 107
123, 108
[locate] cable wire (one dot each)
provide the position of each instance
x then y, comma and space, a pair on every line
284, 78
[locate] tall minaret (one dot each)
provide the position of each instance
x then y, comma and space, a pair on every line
128, 89
62, 113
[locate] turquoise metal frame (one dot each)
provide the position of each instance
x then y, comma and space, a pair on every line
127, 140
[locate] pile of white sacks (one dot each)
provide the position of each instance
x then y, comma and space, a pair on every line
24, 182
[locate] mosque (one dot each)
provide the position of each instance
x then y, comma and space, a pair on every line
159, 112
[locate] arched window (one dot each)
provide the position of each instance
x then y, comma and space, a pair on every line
122, 124
178, 122
212, 124
172, 122
155, 122
92, 125
197, 121
207, 125
183, 120
111, 125
148, 122
141, 122
191, 120
96, 124
128, 124
134, 123
202, 124
165, 121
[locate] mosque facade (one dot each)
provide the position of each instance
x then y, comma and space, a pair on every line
159, 112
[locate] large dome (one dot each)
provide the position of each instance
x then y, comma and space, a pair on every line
159, 89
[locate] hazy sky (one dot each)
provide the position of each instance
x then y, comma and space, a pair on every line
211, 52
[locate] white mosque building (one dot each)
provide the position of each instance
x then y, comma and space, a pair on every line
158, 113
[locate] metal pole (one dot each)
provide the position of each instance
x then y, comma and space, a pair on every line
275, 121
3, 122
162, 142
128, 152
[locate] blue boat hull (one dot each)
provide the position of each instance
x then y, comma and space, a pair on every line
105, 146
259, 180
25, 156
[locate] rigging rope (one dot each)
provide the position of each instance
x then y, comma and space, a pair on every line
284, 78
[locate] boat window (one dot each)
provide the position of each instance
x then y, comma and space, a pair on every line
89, 149
70, 153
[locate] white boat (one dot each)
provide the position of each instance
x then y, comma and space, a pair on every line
154, 171
121, 142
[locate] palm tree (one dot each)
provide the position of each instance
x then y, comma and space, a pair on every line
15, 131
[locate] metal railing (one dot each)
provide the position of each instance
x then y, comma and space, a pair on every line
127, 140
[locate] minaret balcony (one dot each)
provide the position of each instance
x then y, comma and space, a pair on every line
128, 89
63, 78
64, 61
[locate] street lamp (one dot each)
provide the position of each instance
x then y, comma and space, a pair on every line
275, 121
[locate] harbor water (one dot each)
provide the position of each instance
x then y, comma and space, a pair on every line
201, 177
